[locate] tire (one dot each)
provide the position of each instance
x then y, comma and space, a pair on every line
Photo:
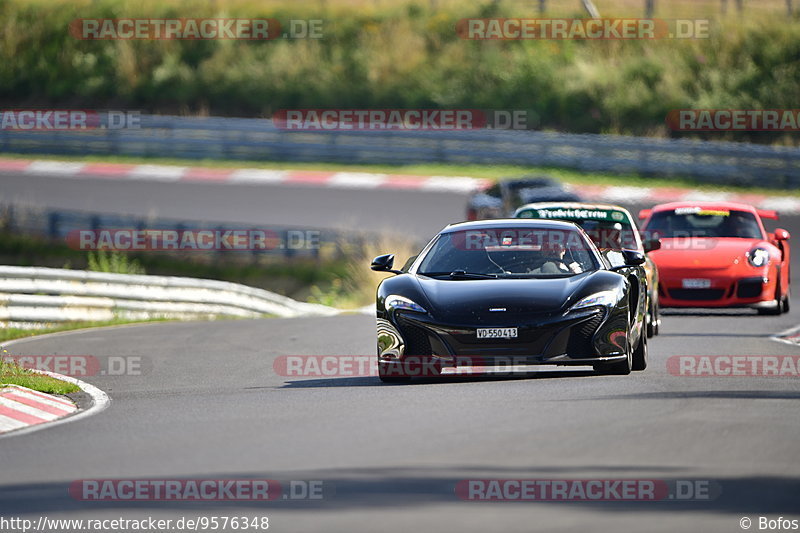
786, 306
777, 309
392, 376
651, 323
403, 371
657, 327
640, 354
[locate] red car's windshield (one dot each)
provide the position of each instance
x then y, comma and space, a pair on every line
696, 222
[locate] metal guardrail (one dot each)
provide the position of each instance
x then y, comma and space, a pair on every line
290, 242
30, 296
258, 139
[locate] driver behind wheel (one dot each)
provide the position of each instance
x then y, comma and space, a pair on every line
553, 261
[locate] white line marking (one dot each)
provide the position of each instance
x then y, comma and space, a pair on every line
356, 180
788, 333
54, 167
157, 172
781, 205
255, 175
706, 196
448, 184
631, 194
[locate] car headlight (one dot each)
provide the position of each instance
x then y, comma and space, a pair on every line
758, 257
395, 301
606, 298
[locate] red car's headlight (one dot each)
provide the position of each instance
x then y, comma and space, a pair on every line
758, 257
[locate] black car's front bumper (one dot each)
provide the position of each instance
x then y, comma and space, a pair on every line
585, 337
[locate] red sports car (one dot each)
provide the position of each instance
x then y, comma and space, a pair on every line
718, 254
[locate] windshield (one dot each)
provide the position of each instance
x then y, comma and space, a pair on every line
609, 230
510, 252
696, 222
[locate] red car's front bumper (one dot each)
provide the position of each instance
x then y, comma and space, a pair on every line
687, 289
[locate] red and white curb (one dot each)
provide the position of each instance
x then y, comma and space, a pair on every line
21, 407
42, 419
366, 180
790, 336
16, 399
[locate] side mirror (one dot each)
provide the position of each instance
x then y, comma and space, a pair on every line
651, 245
645, 213
384, 263
781, 234
633, 258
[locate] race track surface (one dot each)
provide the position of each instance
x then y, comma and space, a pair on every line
210, 405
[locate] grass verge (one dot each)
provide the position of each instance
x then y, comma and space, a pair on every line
7, 334
13, 374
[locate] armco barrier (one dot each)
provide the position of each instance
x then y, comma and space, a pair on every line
258, 139
31, 295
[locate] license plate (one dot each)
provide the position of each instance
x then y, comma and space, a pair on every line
497, 333
696, 283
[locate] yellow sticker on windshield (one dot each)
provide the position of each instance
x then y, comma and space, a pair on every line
702, 212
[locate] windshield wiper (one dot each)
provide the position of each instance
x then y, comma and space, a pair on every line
460, 274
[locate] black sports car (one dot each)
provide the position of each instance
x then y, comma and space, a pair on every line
511, 292
502, 198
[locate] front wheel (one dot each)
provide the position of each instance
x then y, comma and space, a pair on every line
652, 322
640, 354
391, 375
781, 306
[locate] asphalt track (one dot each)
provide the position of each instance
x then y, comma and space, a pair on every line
283, 205
211, 406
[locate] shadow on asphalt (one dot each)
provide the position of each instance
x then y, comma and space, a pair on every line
406, 487
755, 335
711, 394
373, 381
712, 312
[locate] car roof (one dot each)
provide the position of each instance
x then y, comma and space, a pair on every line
500, 223
573, 205
705, 205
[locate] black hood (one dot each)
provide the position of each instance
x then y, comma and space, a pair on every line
468, 299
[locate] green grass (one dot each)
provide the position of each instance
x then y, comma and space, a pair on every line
380, 54
7, 334
493, 172
12, 374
